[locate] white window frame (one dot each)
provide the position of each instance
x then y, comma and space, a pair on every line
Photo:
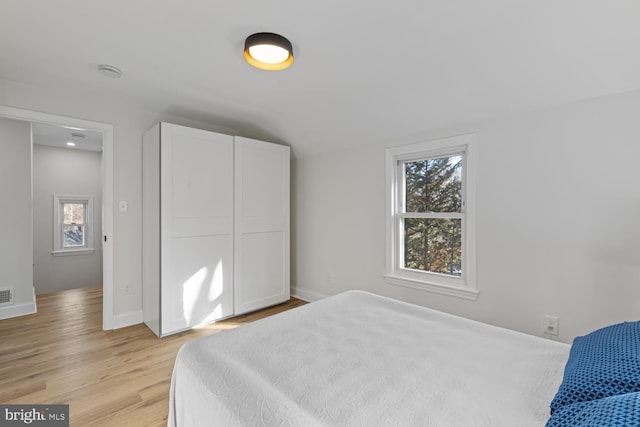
463, 286
58, 219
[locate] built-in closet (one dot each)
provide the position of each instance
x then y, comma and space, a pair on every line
215, 226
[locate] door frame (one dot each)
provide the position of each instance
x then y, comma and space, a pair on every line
107, 192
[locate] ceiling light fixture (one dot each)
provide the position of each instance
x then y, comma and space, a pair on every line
110, 71
268, 51
71, 144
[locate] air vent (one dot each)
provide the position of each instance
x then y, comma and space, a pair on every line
6, 296
110, 71
77, 135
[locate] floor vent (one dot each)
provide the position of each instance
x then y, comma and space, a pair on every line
6, 296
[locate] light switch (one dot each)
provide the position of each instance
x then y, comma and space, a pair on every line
122, 206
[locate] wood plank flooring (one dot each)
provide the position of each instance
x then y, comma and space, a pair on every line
108, 378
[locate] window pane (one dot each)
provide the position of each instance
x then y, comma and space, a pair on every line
73, 236
74, 213
433, 245
434, 185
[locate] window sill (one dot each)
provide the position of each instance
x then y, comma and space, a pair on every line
68, 252
453, 291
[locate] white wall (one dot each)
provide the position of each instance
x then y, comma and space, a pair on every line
558, 219
129, 124
16, 248
66, 172
538, 182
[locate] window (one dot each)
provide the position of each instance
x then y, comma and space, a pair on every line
73, 225
430, 217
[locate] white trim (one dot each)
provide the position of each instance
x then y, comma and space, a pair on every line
463, 287
437, 288
72, 252
107, 192
108, 234
127, 319
448, 215
15, 310
306, 295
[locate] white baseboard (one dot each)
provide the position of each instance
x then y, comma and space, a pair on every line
306, 295
127, 319
15, 310
136, 317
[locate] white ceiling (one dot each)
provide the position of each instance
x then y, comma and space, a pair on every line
365, 72
58, 136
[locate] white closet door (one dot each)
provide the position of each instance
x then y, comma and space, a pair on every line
196, 226
262, 224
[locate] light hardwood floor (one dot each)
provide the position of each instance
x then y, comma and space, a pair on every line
111, 378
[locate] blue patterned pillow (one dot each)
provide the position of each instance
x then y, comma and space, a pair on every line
614, 411
603, 363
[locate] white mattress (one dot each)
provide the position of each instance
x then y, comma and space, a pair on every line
357, 359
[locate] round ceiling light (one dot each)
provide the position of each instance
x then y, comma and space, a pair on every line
110, 71
268, 51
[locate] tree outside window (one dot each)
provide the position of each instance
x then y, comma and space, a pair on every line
433, 240
73, 225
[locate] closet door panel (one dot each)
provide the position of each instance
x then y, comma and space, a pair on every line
202, 170
202, 265
196, 226
263, 169
263, 264
262, 224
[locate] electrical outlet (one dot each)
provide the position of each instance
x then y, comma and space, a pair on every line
552, 325
127, 288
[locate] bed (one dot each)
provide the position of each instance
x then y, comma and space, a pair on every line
358, 359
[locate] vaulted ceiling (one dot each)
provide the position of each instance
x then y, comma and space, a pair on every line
365, 72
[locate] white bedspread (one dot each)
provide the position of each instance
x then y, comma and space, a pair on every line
357, 359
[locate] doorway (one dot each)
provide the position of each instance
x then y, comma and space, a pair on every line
105, 239
67, 207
